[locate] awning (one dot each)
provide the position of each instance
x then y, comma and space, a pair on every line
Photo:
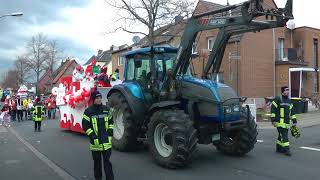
301, 69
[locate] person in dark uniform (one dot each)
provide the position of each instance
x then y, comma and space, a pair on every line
282, 115
37, 113
97, 122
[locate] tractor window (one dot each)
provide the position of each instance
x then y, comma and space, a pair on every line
226, 93
138, 68
130, 70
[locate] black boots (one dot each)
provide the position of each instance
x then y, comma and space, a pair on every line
285, 151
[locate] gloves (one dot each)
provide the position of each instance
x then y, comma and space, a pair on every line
274, 124
295, 132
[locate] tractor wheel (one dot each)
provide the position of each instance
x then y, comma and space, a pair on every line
242, 141
172, 138
125, 131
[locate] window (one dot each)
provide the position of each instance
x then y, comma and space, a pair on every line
194, 48
218, 77
211, 41
280, 49
130, 70
138, 69
120, 60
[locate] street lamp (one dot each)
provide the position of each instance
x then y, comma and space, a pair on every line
12, 14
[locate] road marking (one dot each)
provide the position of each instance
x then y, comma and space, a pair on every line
310, 148
63, 174
260, 141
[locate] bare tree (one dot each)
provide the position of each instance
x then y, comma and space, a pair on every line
9, 79
37, 50
53, 56
153, 14
22, 69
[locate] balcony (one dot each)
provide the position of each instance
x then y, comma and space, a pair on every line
289, 56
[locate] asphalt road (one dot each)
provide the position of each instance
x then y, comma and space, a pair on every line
71, 153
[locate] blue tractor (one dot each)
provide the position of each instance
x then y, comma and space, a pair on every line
161, 103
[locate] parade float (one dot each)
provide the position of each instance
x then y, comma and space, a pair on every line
73, 94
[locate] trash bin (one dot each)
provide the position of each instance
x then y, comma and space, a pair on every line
305, 105
297, 105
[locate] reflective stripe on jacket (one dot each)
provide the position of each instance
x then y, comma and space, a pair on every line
37, 112
97, 122
282, 112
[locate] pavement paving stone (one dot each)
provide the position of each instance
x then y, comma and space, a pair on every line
17, 162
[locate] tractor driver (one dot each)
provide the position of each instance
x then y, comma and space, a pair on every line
169, 89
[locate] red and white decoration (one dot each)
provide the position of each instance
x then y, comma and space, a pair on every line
72, 98
22, 91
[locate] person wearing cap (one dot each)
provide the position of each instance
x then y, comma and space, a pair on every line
97, 123
282, 116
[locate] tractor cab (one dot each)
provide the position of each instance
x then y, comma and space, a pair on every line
139, 71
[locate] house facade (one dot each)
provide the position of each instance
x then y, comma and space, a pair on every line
103, 58
65, 69
257, 65
118, 61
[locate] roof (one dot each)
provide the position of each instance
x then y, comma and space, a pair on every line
105, 57
169, 32
205, 6
148, 49
123, 49
62, 69
307, 27
90, 60
44, 75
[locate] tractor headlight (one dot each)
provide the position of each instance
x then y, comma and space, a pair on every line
236, 108
227, 109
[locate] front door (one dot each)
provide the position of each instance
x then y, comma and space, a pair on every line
295, 84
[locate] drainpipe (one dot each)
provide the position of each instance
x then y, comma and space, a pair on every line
274, 62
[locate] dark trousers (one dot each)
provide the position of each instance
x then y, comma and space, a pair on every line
13, 115
20, 115
96, 155
37, 125
283, 140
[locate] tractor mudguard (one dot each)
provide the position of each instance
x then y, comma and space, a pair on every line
136, 105
163, 105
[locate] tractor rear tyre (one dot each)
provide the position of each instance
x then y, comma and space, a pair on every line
241, 141
172, 138
125, 131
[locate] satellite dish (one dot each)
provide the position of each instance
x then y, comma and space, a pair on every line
291, 25
136, 39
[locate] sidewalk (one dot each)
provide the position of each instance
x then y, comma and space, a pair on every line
17, 162
304, 120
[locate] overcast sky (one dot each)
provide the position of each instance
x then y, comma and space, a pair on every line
81, 26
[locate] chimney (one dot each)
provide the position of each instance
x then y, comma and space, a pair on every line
178, 19
99, 52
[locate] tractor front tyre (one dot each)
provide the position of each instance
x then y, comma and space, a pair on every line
172, 138
125, 131
241, 141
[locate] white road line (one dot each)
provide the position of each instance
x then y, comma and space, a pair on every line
260, 141
310, 148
